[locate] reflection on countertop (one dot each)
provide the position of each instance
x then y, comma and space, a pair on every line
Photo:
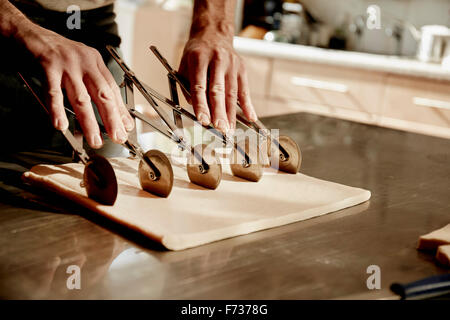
321, 258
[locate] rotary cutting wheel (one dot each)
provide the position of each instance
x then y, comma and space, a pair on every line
209, 179
163, 185
100, 180
251, 172
293, 163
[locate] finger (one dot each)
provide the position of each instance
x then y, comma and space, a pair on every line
81, 103
244, 96
104, 98
198, 72
231, 87
55, 100
127, 120
217, 95
182, 72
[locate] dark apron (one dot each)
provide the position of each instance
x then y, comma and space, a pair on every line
24, 125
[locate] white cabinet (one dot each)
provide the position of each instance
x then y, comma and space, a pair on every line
396, 101
341, 90
418, 105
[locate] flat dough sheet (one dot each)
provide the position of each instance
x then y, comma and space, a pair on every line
432, 240
438, 240
191, 215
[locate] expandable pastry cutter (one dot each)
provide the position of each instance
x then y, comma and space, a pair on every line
203, 169
285, 148
205, 172
99, 178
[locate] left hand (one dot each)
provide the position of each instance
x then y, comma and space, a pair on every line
218, 80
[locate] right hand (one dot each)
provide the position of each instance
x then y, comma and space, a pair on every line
80, 70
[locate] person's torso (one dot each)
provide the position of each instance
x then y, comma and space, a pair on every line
62, 5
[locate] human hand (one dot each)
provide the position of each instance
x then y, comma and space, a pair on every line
218, 80
79, 70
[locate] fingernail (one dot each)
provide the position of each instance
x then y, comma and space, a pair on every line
204, 119
120, 136
61, 124
54, 262
97, 141
221, 125
253, 116
58, 124
128, 123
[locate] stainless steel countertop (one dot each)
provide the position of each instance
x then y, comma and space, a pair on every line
322, 258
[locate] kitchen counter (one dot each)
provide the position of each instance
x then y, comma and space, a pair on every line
325, 257
367, 61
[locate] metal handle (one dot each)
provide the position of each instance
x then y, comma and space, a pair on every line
431, 103
319, 84
76, 146
426, 288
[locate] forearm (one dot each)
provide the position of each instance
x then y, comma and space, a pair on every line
213, 16
216, 73
16, 26
13, 23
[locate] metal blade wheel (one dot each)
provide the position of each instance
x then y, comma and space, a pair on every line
100, 180
252, 171
161, 186
293, 163
197, 174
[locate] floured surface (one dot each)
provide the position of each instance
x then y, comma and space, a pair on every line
192, 215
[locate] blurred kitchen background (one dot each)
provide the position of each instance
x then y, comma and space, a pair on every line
374, 26
381, 62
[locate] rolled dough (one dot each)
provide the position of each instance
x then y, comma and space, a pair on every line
443, 255
432, 240
192, 215
440, 240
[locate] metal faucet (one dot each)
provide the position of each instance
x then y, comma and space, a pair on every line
396, 31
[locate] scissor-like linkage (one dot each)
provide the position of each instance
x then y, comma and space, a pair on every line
204, 172
246, 161
287, 150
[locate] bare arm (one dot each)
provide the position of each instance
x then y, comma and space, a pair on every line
78, 69
10, 19
216, 73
